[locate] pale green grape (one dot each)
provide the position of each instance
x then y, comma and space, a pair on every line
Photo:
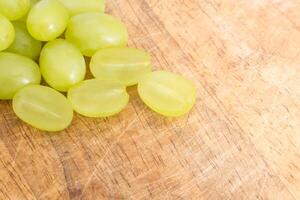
93, 31
98, 98
16, 71
47, 20
80, 6
7, 33
62, 64
24, 44
167, 93
43, 108
124, 64
14, 9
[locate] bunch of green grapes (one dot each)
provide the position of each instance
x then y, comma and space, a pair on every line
50, 39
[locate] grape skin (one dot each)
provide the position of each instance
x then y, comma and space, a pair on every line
123, 64
47, 20
14, 9
62, 64
16, 71
167, 93
76, 7
7, 33
98, 98
43, 108
93, 31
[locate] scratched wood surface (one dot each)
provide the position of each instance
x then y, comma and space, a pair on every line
241, 140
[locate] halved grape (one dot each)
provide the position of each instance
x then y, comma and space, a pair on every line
47, 20
167, 93
76, 7
124, 64
7, 33
98, 98
93, 31
62, 64
43, 108
16, 71
14, 9
24, 44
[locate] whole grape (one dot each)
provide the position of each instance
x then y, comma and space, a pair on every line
167, 93
47, 20
62, 64
98, 98
16, 71
14, 9
93, 31
123, 64
43, 108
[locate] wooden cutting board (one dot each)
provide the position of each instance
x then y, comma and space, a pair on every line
241, 140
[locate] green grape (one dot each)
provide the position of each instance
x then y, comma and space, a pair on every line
98, 98
124, 64
43, 108
62, 64
47, 20
7, 33
14, 9
167, 93
16, 71
76, 7
24, 44
93, 31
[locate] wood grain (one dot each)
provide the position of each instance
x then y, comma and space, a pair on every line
241, 141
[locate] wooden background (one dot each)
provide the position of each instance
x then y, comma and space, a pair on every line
241, 140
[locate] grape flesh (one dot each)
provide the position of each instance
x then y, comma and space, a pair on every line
24, 44
47, 20
123, 64
16, 72
43, 108
7, 33
14, 9
93, 31
62, 64
167, 93
76, 7
98, 98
